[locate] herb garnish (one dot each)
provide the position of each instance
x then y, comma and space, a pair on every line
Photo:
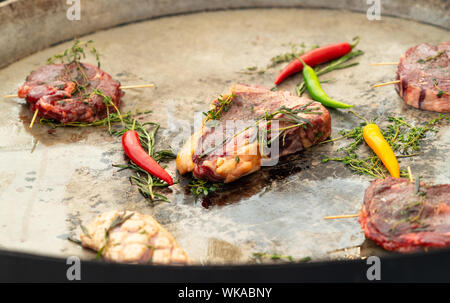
403, 137
286, 114
110, 119
147, 133
199, 187
222, 105
145, 181
147, 136
431, 57
75, 53
411, 213
441, 92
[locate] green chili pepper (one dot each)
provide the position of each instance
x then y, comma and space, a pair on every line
316, 91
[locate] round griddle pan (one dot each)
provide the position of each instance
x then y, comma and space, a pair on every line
193, 51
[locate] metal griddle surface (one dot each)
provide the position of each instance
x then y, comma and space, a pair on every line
68, 178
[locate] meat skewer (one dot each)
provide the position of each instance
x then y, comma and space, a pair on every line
423, 77
74, 92
402, 215
122, 87
406, 216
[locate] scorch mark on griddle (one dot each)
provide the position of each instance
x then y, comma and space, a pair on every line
421, 97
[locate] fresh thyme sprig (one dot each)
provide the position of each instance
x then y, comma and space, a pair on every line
75, 53
441, 92
221, 106
431, 58
403, 137
199, 187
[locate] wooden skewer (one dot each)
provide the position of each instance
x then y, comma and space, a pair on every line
122, 87
341, 217
410, 175
411, 179
34, 118
10, 96
384, 63
386, 83
137, 86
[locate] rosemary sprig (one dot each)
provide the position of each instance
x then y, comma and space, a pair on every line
403, 137
142, 179
337, 64
147, 136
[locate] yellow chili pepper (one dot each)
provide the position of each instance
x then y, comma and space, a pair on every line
374, 138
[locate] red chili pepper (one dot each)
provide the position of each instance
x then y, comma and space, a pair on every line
315, 57
133, 148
